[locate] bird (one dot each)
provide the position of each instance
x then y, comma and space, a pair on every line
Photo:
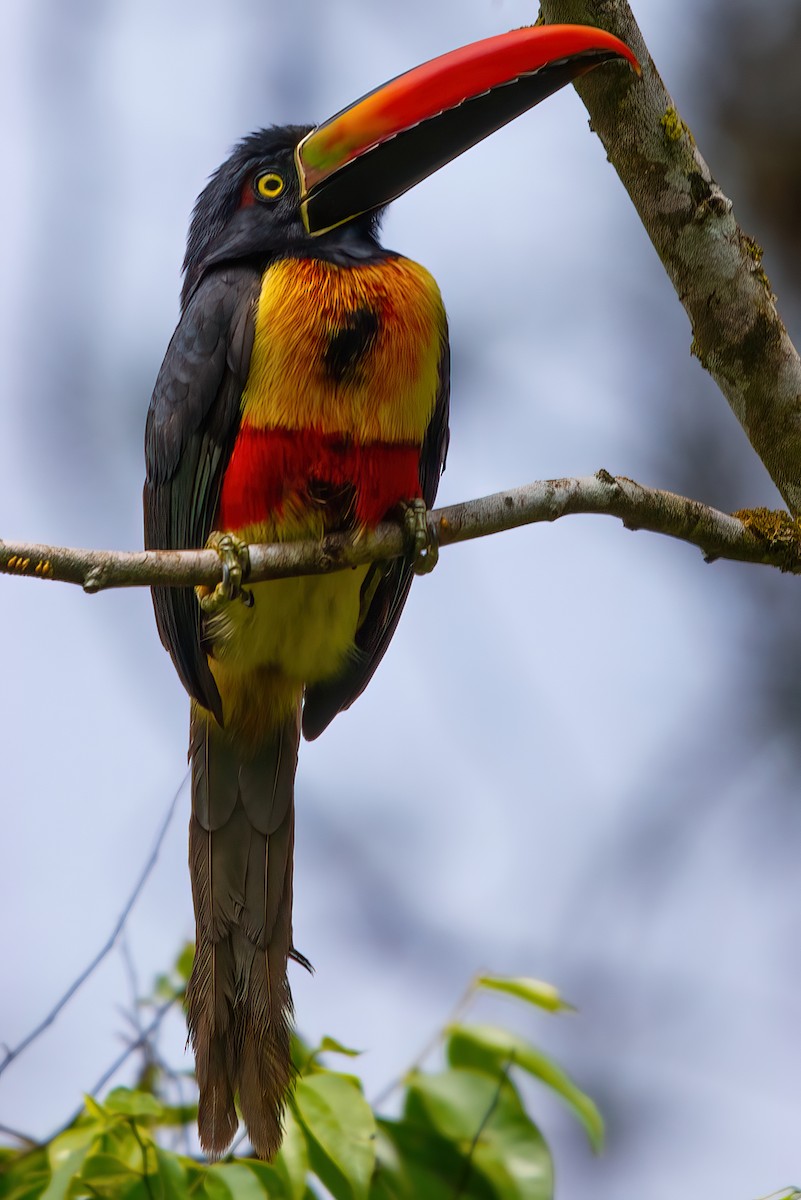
305, 391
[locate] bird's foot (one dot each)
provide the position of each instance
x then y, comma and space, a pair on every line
235, 560
422, 539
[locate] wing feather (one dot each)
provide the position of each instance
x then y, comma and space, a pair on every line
191, 427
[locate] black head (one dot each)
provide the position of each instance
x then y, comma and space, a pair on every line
276, 198
250, 211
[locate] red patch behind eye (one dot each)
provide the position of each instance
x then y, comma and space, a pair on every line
247, 195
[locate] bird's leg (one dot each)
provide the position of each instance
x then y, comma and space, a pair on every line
422, 539
235, 560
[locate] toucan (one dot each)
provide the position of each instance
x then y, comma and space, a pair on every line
305, 391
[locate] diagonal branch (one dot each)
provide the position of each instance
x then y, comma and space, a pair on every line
758, 536
715, 268
108, 945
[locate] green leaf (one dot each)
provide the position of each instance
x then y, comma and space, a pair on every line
330, 1045
133, 1188
171, 1175
163, 988
119, 1140
129, 1103
516, 1159
172, 985
94, 1109
215, 1188
66, 1154
196, 1178
533, 991
240, 1181
414, 1161
457, 1104
175, 1116
106, 1173
101, 1168
271, 1180
341, 1126
299, 1052
184, 961
486, 1119
335, 1047
292, 1160
491, 1049
23, 1175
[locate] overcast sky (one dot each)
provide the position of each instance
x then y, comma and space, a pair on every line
554, 772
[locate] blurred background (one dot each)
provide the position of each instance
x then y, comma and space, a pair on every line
580, 759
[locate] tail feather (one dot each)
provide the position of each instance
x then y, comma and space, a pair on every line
239, 1002
265, 1069
266, 782
217, 1120
215, 781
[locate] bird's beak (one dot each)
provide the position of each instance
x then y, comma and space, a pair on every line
403, 131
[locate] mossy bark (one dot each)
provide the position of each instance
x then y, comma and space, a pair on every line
715, 268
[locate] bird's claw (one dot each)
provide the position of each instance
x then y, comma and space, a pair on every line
422, 539
235, 561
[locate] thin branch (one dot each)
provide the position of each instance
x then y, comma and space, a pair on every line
118, 1062
24, 1138
430, 1046
131, 1048
757, 536
150, 1056
714, 266
107, 946
135, 1015
144, 1148
231, 1154
468, 1165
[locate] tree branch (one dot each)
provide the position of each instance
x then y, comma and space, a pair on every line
715, 268
755, 536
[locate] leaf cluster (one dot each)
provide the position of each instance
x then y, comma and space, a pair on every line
462, 1131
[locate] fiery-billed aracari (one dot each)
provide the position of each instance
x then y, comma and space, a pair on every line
305, 390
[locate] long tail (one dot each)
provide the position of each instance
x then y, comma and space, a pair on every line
240, 860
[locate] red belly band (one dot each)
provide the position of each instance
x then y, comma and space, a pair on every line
268, 467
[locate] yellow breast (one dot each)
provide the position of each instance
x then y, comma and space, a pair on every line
350, 350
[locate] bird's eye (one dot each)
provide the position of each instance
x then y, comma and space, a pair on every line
269, 186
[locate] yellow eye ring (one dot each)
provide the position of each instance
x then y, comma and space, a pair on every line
269, 186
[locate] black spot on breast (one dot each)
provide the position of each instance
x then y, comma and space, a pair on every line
348, 344
336, 502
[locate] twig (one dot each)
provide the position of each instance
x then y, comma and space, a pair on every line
465, 1174
24, 1138
118, 1062
108, 945
231, 1155
135, 1016
131, 1048
772, 539
150, 1055
143, 1148
430, 1045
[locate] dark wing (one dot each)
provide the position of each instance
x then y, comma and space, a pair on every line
191, 426
389, 582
